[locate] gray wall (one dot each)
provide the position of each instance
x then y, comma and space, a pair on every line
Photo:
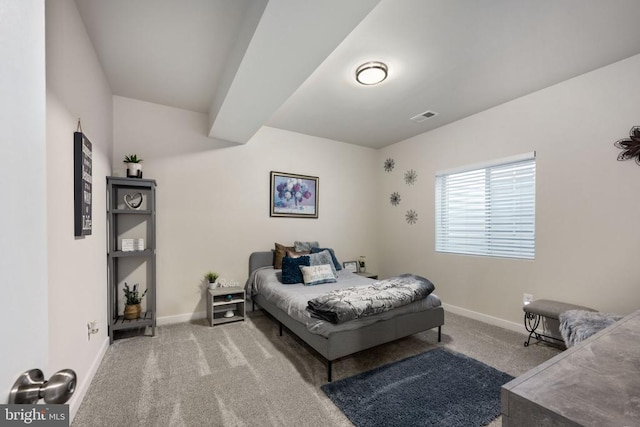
587, 242
23, 256
77, 277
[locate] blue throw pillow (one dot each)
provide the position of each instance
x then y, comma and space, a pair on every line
336, 263
291, 273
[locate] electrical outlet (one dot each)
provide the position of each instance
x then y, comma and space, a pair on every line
527, 299
92, 328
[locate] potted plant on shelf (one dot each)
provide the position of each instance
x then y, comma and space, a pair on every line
133, 299
134, 167
211, 277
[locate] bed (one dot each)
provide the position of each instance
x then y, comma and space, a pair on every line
333, 341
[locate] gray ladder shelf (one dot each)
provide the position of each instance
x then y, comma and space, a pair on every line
122, 221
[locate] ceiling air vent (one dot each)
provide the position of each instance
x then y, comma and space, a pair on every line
424, 116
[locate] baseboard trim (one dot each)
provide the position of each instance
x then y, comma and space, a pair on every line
512, 326
181, 318
84, 383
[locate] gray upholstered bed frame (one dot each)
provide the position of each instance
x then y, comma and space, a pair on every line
344, 343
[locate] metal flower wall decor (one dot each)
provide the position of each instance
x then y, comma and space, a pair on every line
410, 177
631, 145
411, 216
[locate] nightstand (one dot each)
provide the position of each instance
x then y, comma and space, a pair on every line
225, 305
369, 275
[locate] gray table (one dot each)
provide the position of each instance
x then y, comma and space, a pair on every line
595, 383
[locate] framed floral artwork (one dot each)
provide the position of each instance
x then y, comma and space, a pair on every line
293, 196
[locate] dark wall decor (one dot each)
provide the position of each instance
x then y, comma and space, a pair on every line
293, 196
411, 217
410, 177
82, 184
631, 145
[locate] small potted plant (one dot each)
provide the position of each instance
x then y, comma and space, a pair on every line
133, 299
211, 277
134, 167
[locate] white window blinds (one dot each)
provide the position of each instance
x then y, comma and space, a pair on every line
488, 210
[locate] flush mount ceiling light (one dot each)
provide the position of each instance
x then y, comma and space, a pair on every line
371, 73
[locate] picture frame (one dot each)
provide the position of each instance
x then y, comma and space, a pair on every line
293, 195
351, 266
82, 184
133, 200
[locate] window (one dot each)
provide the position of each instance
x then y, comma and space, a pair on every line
488, 209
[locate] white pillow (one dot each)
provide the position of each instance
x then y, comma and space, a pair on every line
317, 274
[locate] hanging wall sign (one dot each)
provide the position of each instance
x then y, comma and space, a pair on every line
82, 183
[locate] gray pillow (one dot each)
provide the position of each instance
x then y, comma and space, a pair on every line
336, 263
321, 258
304, 246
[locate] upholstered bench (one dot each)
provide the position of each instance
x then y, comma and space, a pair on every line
536, 310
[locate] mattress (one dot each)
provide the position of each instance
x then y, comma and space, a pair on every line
293, 299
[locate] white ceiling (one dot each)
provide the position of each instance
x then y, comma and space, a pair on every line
290, 64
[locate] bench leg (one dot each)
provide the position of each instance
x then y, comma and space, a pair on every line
531, 323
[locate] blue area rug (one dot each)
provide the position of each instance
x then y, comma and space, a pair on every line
435, 388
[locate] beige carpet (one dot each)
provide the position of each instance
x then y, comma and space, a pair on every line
245, 374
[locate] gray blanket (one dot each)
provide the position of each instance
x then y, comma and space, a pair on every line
578, 325
353, 303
